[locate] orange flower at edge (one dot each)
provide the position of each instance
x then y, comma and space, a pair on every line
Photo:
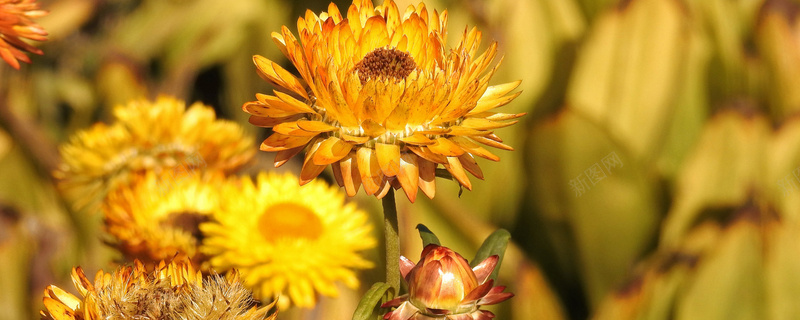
381, 100
15, 24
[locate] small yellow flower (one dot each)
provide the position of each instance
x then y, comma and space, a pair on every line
381, 99
288, 240
16, 23
443, 286
158, 216
157, 136
171, 291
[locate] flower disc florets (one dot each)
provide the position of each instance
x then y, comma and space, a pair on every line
381, 100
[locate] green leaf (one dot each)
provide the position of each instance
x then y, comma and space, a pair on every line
427, 236
379, 292
495, 244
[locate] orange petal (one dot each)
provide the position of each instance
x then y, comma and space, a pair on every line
485, 124
469, 163
81, 282
426, 154
473, 148
257, 108
464, 131
280, 142
372, 128
296, 104
371, 176
337, 173
276, 103
311, 170
354, 139
427, 176
268, 122
454, 167
58, 310
292, 129
315, 126
497, 91
283, 156
350, 174
388, 158
64, 297
274, 73
384, 190
492, 143
331, 150
497, 116
486, 104
446, 147
417, 139
409, 175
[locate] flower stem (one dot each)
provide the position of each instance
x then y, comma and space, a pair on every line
392, 241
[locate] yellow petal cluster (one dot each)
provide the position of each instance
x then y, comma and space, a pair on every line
160, 136
171, 291
16, 23
287, 240
381, 99
157, 217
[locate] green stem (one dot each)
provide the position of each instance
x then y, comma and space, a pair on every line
392, 241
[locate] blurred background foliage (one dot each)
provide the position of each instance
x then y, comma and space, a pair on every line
656, 176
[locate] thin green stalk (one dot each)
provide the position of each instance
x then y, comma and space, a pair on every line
392, 241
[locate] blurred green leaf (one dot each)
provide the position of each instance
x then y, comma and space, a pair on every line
778, 43
727, 163
533, 298
782, 271
729, 283
369, 305
783, 177
495, 244
599, 209
427, 236
629, 70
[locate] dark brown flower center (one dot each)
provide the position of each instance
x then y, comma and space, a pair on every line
384, 63
188, 222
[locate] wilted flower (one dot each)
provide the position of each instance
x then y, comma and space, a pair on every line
381, 99
171, 291
16, 24
158, 216
288, 240
443, 286
162, 136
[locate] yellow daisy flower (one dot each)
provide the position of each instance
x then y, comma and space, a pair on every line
381, 99
158, 216
287, 239
160, 136
16, 23
171, 291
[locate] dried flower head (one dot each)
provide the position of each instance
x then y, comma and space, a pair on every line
160, 136
381, 99
443, 287
158, 217
171, 291
287, 240
16, 23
